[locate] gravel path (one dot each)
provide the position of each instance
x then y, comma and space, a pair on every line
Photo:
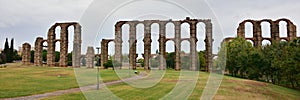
73, 90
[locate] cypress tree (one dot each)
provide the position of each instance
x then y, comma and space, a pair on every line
11, 50
6, 51
6, 46
12, 45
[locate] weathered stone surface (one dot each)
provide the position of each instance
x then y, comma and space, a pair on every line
51, 40
162, 42
274, 26
90, 57
26, 48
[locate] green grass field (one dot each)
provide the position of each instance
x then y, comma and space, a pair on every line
17, 80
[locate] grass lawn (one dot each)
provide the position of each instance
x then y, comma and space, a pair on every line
17, 80
231, 88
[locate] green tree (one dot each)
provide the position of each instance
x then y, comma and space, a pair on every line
170, 60
6, 52
141, 61
32, 56
202, 60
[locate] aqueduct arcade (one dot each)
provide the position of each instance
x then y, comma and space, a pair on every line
257, 38
162, 42
51, 40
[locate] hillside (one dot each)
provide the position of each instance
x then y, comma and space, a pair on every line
17, 80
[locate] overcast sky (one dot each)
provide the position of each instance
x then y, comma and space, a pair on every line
25, 20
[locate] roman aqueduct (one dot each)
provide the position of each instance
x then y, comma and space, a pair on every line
162, 42
51, 40
257, 38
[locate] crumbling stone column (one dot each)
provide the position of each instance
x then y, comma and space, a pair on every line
51, 47
90, 57
132, 45
76, 53
118, 42
38, 52
193, 41
291, 31
147, 44
177, 45
257, 34
241, 30
26, 53
162, 45
208, 44
63, 61
104, 51
275, 32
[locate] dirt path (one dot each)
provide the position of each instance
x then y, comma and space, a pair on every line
67, 91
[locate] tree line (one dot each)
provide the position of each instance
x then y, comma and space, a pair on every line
278, 63
9, 54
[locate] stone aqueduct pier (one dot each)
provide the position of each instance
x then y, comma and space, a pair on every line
51, 40
162, 42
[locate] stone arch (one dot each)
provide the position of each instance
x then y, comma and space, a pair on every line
283, 29
104, 50
185, 30
249, 29
125, 38
266, 26
155, 33
201, 36
251, 41
51, 40
170, 30
169, 47
185, 45
140, 37
266, 42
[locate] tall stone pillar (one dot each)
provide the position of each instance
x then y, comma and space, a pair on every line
51, 47
118, 42
38, 52
147, 44
63, 61
275, 32
26, 48
241, 30
208, 43
90, 57
162, 45
257, 34
177, 45
132, 45
291, 31
102, 52
193, 41
76, 54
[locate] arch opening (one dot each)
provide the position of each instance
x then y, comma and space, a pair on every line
170, 30
248, 30
185, 30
